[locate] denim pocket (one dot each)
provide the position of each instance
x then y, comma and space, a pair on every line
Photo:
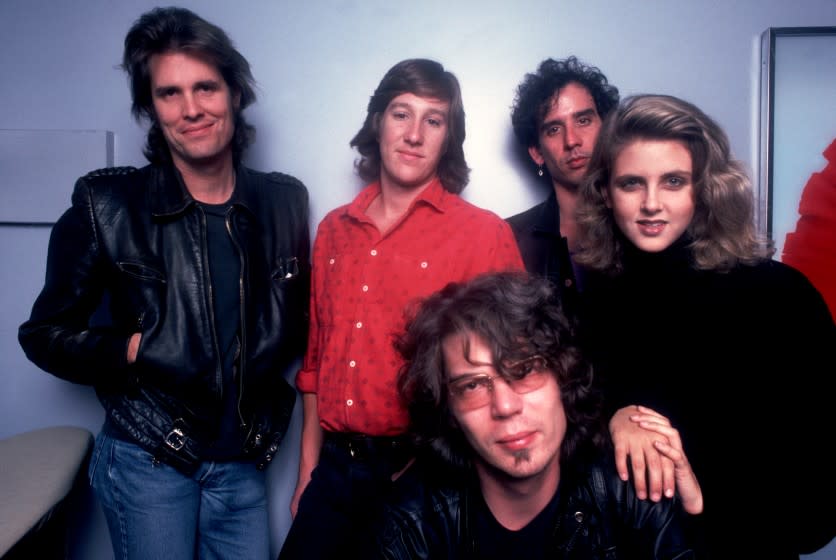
94, 458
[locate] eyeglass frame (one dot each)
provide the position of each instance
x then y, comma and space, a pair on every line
511, 380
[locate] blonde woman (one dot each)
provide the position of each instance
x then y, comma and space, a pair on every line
686, 313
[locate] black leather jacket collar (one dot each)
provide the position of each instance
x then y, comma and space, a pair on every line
169, 196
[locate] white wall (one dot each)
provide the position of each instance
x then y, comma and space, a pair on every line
317, 63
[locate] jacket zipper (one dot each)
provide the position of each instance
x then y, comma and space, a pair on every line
242, 322
207, 280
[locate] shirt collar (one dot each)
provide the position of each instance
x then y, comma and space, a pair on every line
435, 195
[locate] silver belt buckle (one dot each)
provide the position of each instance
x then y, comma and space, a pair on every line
175, 439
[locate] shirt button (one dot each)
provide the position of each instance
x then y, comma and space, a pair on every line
424, 264
331, 261
359, 324
349, 402
352, 363
374, 252
365, 288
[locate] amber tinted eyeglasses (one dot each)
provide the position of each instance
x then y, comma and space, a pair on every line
469, 392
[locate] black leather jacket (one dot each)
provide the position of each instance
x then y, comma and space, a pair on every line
598, 517
544, 251
134, 243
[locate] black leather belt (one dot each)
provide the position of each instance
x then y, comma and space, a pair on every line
363, 448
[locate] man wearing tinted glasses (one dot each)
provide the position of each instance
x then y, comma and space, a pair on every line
513, 452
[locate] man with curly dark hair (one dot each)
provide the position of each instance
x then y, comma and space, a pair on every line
556, 116
511, 452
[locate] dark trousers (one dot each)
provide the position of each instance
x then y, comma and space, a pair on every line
339, 508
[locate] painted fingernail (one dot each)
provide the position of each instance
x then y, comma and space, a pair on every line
669, 492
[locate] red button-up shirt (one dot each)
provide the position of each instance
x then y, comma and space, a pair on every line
364, 281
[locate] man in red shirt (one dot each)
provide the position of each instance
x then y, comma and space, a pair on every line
405, 236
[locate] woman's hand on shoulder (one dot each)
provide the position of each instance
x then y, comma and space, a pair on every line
670, 447
634, 445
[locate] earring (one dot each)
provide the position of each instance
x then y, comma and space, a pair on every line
540, 171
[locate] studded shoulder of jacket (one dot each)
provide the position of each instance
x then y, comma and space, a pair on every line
111, 172
285, 180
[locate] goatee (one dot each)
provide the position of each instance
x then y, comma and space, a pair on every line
521, 456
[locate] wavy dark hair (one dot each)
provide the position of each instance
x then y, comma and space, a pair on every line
163, 30
722, 232
424, 78
517, 315
535, 93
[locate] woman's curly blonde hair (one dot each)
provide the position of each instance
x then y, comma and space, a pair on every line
722, 232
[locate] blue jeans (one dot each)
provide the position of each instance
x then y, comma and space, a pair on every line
154, 511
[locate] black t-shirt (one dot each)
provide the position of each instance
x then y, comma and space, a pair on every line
225, 273
495, 541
